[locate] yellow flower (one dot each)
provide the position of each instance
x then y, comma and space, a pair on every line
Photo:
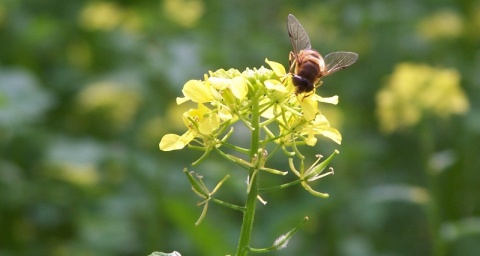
171, 142
414, 90
226, 96
237, 85
310, 108
320, 125
442, 24
201, 122
277, 68
196, 91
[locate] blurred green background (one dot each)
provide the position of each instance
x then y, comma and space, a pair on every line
88, 88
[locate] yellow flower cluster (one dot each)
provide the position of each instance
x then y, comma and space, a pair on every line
227, 96
414, 90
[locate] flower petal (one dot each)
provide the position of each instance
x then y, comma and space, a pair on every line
332, 134
331, 100
197, 91
171, 142
239, 87
209, 124
276, 85
181, 100
277, 68
310, 108
219, 83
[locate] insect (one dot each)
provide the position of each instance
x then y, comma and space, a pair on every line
307, 64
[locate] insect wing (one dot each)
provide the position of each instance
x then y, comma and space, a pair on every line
338, 60
297, 34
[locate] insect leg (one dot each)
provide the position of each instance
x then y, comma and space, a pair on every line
292, 61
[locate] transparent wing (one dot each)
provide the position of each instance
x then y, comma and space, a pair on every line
338, 60
297, 34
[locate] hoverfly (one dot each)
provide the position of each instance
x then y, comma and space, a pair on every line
307, 64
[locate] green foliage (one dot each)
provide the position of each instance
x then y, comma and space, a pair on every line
85, 88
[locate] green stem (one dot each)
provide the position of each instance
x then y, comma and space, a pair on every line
435, 218
250, 205
232, 206
432, 208
286, 185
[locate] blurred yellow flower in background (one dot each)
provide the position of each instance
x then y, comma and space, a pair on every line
414, 90
117, 103
185, 13
442, 24
101, 16
108, 16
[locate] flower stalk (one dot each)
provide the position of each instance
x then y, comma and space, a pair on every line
250, 206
